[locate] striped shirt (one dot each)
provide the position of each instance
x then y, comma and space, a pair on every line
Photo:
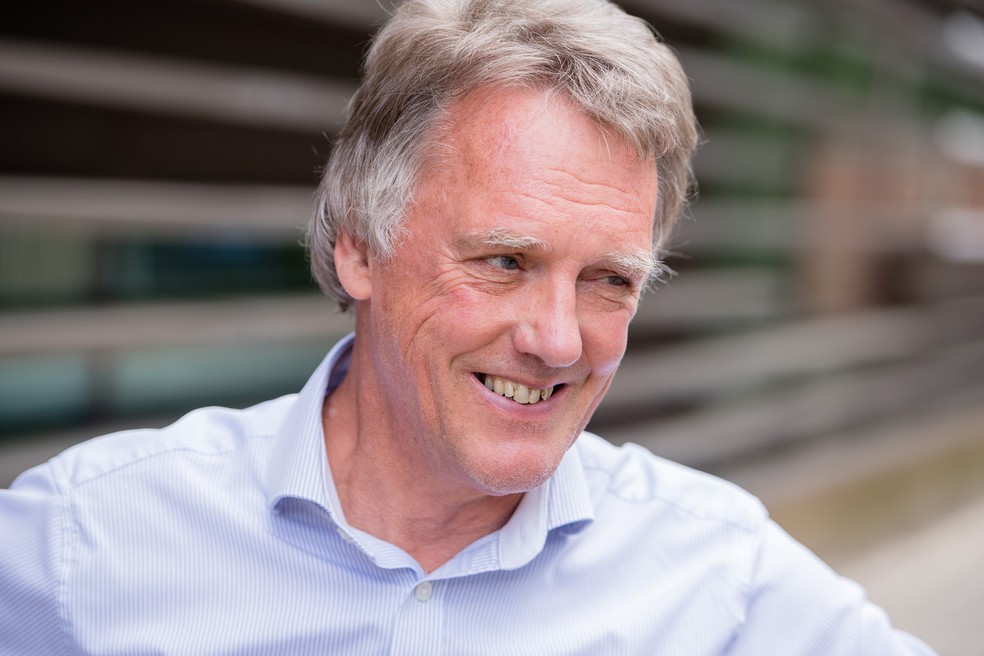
223, 534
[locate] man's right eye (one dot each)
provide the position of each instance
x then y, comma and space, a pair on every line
503, 262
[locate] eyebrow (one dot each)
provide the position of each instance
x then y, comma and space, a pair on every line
641, 265
503, 238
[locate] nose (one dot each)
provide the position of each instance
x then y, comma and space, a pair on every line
548, 325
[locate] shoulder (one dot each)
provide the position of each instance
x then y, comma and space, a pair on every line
631, 474
202, 433
89, 517
681, 543
744, 581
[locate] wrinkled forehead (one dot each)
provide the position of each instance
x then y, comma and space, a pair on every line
491, 133
493, 120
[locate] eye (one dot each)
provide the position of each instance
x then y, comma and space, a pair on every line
503, 262
616, 280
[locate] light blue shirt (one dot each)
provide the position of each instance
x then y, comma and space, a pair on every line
223, 534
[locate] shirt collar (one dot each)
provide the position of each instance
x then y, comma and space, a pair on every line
563, 501
298, 468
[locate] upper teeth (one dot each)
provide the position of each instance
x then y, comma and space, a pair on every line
517, 391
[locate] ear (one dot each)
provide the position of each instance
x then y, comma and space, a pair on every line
352, 264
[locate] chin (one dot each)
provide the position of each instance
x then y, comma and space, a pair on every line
503, 486
514, 474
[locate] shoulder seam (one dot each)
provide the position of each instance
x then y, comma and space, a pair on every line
749, 526
64, 484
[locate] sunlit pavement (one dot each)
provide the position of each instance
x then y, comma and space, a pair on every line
931, 581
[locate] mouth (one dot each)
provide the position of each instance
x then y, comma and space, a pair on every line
518, 392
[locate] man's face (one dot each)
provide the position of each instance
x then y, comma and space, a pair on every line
525, 250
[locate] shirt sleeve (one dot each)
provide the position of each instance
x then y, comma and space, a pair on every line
32, 538
798, 605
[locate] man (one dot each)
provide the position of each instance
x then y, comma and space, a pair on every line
492, 212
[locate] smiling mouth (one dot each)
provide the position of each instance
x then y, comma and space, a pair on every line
516, 391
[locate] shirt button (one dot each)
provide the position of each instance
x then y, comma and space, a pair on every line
344, 535
423, 591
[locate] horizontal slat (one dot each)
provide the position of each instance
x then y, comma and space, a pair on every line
261, 98
811, 409
166, 208
716, 368
359, 14
733, 224
700, 299
737, 158
722, 81
280, 318
780, 25
740, 225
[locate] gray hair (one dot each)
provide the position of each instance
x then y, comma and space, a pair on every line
432, 52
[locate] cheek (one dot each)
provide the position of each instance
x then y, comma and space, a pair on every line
604, 338
449, 318
402, 297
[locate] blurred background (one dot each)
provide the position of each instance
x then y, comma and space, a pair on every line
821, 345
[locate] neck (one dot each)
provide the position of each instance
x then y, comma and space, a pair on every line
390, 490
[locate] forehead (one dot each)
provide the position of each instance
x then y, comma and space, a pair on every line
518, 145
504, 127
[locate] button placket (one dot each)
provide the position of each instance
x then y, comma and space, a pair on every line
419, 624
423, 591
